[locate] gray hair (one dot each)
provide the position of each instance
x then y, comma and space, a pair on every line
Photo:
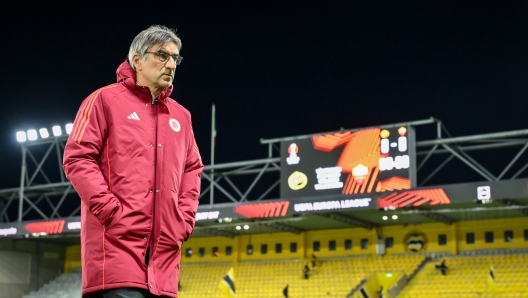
154, 35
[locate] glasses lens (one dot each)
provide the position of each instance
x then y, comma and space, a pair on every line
163, 56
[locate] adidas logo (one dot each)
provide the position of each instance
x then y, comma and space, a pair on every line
133, 116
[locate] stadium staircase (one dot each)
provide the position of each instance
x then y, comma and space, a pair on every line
469, 276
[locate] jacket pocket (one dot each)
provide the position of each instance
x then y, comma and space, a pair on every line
172, 221
108, 212
117, 216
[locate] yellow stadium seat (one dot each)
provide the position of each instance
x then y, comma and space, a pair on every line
268, 278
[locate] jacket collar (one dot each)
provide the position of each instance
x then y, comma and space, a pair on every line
127, 75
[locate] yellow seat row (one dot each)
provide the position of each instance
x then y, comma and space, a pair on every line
335, 278
468, 276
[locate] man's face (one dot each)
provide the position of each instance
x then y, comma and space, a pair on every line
154, 73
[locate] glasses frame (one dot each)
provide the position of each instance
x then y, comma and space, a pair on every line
163, 56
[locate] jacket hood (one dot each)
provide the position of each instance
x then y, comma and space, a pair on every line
127, 75
125, 71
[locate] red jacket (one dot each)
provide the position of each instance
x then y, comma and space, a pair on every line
136, 167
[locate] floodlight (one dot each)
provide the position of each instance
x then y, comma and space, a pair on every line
385, 217
395, 217
21, 136
238, 227
69, 128
246, 227
32, 135
44, 133
57, 131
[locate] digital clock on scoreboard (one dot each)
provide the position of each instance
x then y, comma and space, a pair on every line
351, 162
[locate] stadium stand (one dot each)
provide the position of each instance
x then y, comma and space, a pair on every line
67, 285
339, 271
469, 276
329, 278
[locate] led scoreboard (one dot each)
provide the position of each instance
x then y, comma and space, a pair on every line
348, 163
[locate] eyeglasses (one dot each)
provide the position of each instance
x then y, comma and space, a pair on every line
164, 56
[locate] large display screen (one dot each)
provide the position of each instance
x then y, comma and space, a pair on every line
350, 162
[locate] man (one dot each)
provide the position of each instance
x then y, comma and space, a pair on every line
133, 160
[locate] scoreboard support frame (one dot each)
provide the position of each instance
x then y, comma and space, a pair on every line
42, 196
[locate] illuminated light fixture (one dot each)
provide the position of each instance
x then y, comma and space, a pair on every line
385, 217
21, 136
57, 130
389, 275
246, 227
402, 131
384, 134
228, 219
238, 227
69, 128
395, 217
44, 133
32, 135
360, 172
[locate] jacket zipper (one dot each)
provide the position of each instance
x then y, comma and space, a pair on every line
155, 118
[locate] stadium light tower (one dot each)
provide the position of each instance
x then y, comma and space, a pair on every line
33, 135
37, 186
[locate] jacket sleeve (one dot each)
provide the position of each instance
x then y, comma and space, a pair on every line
190, 186
82, 159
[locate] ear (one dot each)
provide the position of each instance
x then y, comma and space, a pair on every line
137, 61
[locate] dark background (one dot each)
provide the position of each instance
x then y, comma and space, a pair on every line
274, 68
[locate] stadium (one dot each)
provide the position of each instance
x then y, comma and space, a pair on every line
348, 213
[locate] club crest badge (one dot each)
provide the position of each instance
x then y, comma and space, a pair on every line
174, 124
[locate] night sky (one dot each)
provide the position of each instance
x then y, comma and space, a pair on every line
275, 68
